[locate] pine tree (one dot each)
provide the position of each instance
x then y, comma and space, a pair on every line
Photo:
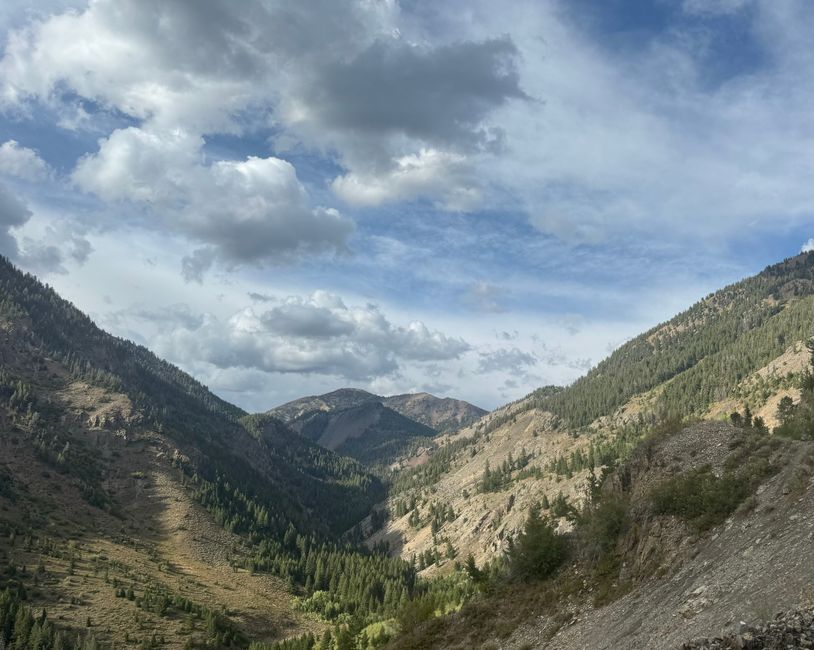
538, 551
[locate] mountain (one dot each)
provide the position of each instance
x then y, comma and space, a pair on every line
372, 429
441, 414
740, 346
120, 475
701, 531
334, 401
741, 349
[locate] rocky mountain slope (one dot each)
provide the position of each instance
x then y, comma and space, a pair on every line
663, 577
373, 429
740, 347
439, 413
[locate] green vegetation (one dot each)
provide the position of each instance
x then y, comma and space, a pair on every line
295, 480
430, 472
538, 550
293, 502
23, 629
598, 559
704, 499
391, 436
498, 479
700, 354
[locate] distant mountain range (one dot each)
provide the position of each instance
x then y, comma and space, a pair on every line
373, 429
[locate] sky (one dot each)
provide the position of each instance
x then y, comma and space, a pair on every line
473, 198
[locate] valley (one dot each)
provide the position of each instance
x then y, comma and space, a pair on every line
137, 508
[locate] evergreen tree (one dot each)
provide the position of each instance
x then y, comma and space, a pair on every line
538, 550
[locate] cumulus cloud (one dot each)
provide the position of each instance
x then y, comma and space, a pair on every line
254, 210
432, 94
21, 162
808, 246
319, 335
47, 252
337, 76
50, 252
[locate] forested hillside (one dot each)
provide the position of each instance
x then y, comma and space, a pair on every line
155, 513
116, 465
274, 464
737, 350
700, 355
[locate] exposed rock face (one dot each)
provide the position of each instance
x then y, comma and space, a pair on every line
794, 629
690, 585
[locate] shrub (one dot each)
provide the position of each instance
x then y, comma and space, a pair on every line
705, 500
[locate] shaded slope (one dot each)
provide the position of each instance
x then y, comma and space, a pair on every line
369, 432
181, 506
305, 483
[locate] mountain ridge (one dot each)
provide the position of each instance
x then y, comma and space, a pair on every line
371, 428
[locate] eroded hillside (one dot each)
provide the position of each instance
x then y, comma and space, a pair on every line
740, 349
663, 573
446, 499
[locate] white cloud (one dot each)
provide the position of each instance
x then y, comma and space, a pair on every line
808, 246
446, 177
21, 162
648, 140
512, 360
335, 75
315, 335
13, 214
254, 210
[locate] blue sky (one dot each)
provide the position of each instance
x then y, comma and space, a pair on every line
467, 198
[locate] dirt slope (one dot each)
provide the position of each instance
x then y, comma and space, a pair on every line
160, 538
